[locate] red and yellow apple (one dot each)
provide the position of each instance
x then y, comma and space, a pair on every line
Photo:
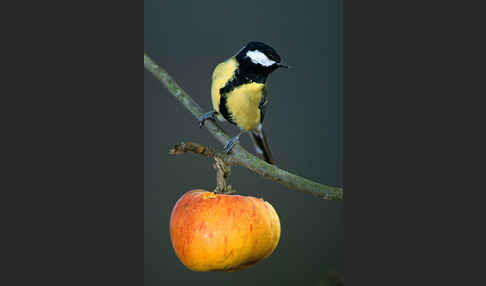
212, 231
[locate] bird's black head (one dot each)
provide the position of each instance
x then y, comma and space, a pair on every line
258, 60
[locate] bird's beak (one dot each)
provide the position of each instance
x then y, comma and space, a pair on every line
283, 66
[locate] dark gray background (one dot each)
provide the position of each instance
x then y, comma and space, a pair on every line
303, 123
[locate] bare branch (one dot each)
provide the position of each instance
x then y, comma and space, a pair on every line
239, 155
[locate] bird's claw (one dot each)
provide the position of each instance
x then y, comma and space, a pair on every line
231, 143
206, 116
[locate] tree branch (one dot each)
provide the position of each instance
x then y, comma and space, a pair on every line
239, 155
182, 148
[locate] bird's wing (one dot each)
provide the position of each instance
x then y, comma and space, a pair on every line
263, 103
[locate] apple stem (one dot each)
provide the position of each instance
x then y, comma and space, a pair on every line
223, 170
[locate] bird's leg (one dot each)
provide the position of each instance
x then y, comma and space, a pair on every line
232, 141
210, 115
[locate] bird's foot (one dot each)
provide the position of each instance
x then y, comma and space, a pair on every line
231, 143
206, 116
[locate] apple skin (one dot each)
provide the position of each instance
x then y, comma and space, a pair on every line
217, 232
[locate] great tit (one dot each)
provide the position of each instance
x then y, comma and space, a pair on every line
239, 94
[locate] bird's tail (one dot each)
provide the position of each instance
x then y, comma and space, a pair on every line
261, 145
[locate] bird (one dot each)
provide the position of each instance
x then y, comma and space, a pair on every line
239, 94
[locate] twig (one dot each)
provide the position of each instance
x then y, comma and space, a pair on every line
183, 147
238, 154
222, 163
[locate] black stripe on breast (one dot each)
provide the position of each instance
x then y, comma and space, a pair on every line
241, 77
224, 110
237, 80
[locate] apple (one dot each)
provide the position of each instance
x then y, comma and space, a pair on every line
211, 232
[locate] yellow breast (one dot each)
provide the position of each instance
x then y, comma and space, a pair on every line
242, 103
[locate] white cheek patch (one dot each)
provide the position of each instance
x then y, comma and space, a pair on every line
258, 57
